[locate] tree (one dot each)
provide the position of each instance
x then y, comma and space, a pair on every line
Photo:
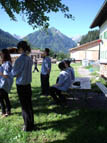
60, 56
34, 10
92, 35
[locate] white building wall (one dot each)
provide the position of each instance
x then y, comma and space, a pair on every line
103, 45
89, 54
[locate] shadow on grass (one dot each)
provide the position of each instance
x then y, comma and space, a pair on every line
82, 125
86, 127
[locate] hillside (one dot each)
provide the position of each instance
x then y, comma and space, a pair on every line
7, 40
53, 39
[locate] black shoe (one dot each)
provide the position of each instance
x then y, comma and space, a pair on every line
26, 129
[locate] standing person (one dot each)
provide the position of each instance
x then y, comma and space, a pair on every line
45, 72
35, 66
23, 71
6, 81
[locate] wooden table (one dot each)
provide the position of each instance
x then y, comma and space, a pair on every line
82, 90
84, 83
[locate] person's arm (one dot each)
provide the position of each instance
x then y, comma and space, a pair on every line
72, 74
5, 76
48, 65
7, 70
18, 68
60, 81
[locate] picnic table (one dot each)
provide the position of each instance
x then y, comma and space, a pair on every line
84, 83
82, 90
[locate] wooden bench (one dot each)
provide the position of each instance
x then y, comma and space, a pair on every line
102, 88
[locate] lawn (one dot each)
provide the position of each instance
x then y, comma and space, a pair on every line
56, 124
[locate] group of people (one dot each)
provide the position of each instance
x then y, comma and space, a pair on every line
22, 70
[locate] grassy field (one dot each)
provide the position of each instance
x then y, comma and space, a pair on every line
56, 124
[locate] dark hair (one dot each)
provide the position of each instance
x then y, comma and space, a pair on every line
47, 51
67, 62
6, 55
24, 45
61, 65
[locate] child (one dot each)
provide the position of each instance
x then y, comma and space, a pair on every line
6, 81
45, 72
35, 66
62, 84
70, 70
23, 71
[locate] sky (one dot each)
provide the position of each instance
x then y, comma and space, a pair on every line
84, 12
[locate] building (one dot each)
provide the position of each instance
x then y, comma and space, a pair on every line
36, 54
101, 21
88, 51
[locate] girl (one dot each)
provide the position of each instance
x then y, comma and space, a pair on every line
6, 81
23, 71
63, 84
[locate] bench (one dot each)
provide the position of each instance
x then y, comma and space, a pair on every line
102, 88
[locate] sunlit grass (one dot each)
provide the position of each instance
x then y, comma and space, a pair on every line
56, 124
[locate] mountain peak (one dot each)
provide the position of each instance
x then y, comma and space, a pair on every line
52, 39
7, 40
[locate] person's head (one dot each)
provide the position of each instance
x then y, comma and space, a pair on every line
5, 55
61, 65
67, 63
46, 52
23, 47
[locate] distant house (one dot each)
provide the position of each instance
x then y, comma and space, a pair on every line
101, 21
36, 54
88, 51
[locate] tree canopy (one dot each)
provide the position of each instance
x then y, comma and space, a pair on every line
34, 10
90, 36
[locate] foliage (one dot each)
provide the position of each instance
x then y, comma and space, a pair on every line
7, 40
34, 10
92, 35
60, 56
52, 39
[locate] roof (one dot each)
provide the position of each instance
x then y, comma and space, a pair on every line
36, 51
101, 16
86, 45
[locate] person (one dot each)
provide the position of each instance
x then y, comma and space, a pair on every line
22, 70
6, 81
63, 84
70, 70
45, 72
35, 66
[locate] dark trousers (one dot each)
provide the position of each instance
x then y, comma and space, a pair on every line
57, 96
35, 68
25, 95
45, 84
5, 102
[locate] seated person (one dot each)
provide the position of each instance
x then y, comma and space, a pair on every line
70, 70
62, 84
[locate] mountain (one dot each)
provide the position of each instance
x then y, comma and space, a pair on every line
52, 38
7, 40
18, 37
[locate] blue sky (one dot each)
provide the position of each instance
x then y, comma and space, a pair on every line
84, 12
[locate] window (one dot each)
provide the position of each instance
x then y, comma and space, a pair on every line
105, 35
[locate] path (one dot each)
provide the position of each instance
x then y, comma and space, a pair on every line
84, 72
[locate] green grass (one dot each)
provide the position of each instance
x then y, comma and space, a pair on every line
56, 124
